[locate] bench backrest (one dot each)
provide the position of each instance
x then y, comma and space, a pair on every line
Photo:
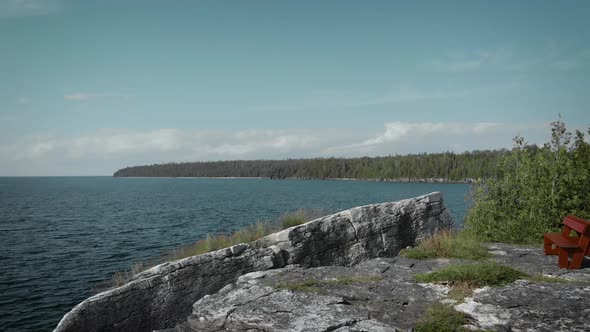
581, 226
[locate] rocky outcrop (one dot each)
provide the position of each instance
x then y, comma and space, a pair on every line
382, 295
162, 297
375, 295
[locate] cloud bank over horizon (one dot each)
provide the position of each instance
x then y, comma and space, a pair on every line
109, 150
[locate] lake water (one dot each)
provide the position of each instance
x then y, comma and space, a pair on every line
61, 236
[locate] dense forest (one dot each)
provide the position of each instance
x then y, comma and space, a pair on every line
448, 166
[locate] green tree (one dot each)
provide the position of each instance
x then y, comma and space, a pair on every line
534, 190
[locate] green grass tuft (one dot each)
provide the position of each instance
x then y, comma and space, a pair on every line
313, 285
447, 244
417, 253
473, 275
441, 318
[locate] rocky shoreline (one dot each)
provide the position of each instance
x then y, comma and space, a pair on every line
162, 296
337, 273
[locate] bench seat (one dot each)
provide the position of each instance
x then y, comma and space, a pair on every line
562, 241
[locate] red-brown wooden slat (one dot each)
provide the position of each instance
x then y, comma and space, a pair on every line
562, 241
578, 224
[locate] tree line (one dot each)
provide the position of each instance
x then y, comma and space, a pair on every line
448, 166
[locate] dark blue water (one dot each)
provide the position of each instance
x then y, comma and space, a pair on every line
61, 236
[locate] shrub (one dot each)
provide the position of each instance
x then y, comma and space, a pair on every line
447, 244
535, 189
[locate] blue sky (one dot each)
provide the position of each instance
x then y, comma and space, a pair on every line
88, 87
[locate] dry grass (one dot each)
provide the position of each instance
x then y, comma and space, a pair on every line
215, 242
460, 290
299, 217
248, 234
447, 244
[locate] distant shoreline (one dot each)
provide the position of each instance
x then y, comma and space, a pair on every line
402, 180
445, 167
190, 177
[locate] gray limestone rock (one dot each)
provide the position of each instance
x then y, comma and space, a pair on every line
532, 306
381, 295
162, 296
528, 306
376, 295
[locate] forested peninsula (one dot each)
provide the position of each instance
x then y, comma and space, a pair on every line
447, 167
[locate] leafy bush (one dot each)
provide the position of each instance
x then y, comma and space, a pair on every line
447, 244
535, 189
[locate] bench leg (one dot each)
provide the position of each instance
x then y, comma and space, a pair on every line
563, 260
577, 260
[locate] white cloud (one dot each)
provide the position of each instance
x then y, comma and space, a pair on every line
105, 151
255, 143
415, 137
23, 8
401, 131
84, 96
215, 145
174, 142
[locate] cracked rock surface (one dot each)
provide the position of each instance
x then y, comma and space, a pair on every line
381, 295
375, 295
532, 306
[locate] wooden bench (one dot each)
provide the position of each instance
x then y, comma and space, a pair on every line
570, 249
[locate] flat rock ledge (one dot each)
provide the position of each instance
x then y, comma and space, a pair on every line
163, 296
381, 295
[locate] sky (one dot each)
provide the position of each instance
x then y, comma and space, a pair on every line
88, 87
